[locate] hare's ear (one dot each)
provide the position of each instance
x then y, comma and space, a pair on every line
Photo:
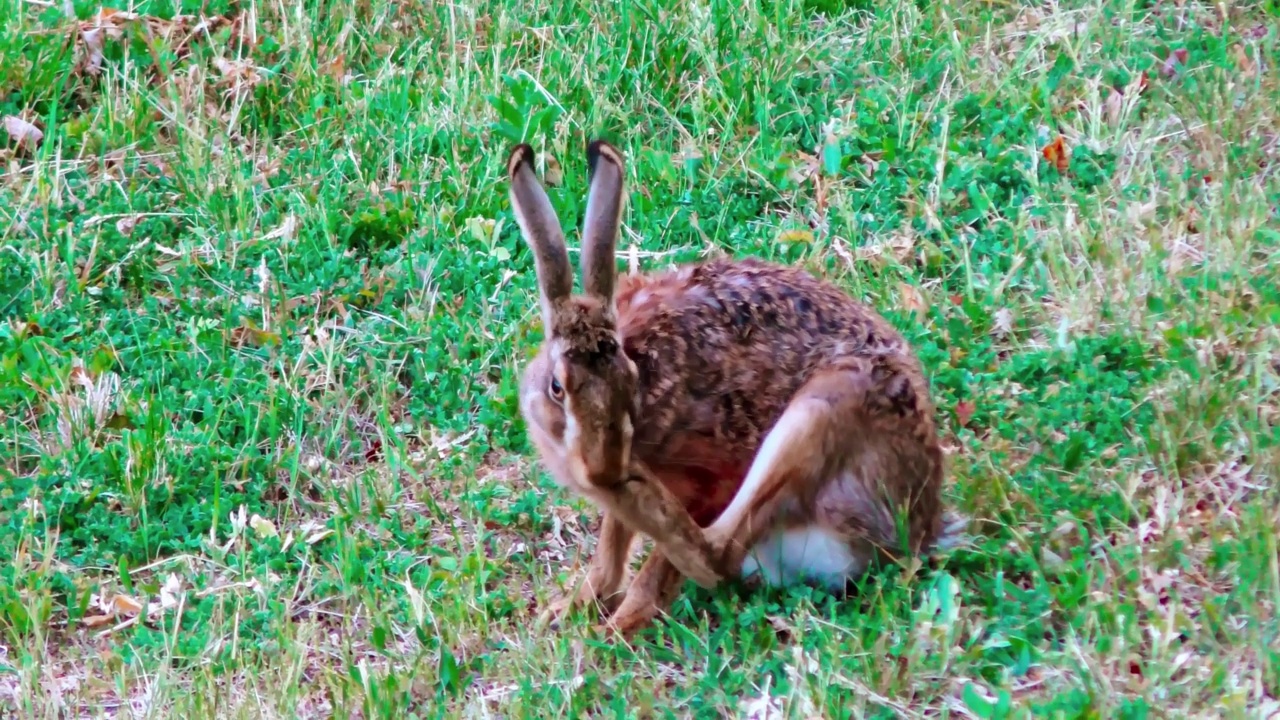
541, 230
604, 216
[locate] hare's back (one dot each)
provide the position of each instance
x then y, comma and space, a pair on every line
787, 303
722, 347
751, 310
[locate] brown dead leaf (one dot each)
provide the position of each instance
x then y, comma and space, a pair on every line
1058, 153
92, 42
93, 34
913, 301
125, 605
93, 621
802, 167
337, 69
1244, 63
176, 31
552, 175
964, 412
112, 164
870, 164
23, 133
1174, 63
237, 73
900, 245
109, 610
287, 230
78, 375
1192, 219
125, 225
1113, 106
157, 167
248, 333
267, 168
1003, 324
110, 21
114, 18
781, 628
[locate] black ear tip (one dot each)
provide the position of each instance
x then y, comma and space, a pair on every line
521, 154
598, 148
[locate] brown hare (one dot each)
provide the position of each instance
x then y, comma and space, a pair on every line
753, 420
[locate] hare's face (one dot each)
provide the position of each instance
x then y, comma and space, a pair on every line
597, 393
578, 396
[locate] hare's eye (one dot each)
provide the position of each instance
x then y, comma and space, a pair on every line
557, 392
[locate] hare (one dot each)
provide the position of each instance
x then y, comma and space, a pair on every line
753, 420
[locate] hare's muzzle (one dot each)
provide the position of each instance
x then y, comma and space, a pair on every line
601, 452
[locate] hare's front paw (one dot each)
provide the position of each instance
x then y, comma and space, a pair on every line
699, 566
558, 609
723, 551
729, 552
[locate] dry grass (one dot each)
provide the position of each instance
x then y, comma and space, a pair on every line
265, 309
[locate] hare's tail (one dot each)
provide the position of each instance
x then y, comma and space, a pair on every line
954, 532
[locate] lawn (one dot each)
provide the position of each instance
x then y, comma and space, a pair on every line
264, 306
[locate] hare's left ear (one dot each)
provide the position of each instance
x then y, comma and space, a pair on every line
604, 218
541, 230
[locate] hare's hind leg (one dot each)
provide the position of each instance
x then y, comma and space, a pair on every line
854, 447
605, 576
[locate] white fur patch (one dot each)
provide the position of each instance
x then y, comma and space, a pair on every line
804, 553
954, 531
577, 479
794, 425
628, 432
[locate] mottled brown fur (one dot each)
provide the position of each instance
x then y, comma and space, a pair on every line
722, 348
714, 358
717, 369
587, 328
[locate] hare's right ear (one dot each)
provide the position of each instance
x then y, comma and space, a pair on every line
541, 230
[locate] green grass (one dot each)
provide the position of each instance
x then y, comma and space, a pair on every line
265, 305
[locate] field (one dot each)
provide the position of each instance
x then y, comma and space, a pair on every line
264, 307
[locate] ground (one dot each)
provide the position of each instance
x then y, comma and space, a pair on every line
265, 307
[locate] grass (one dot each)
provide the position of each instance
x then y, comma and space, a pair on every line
265, 306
